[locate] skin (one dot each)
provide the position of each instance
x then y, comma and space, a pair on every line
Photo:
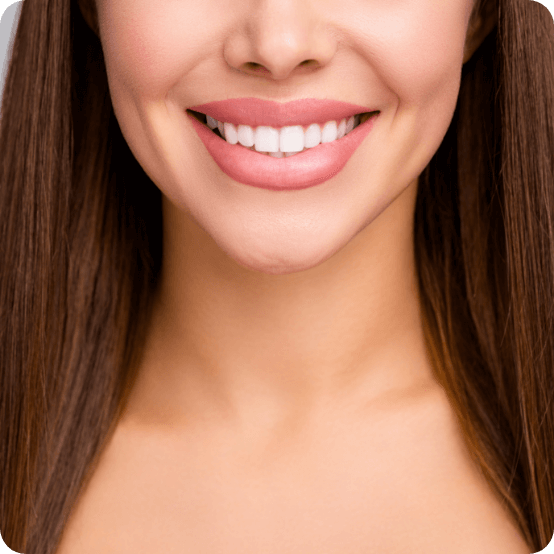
285, 360
321, 280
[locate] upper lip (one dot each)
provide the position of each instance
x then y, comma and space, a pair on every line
255, 111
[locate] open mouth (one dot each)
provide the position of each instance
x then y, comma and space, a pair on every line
202, 118
326, 150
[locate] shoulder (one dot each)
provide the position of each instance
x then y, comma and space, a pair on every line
469, 517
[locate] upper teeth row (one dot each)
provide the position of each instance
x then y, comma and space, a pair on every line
287, 139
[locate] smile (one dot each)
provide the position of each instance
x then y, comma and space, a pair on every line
306, 168
286, 141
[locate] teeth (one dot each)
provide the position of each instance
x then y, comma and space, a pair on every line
287, 141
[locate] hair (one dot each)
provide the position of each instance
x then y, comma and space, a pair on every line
81, 251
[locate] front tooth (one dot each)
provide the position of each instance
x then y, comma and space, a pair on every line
291, 139
288, 140
277, 154
266, 139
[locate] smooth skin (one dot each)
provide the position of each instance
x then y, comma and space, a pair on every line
286, 401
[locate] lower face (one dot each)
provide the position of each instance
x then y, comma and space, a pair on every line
402, 59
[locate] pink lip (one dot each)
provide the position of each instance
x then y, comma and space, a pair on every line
306, 169
255, 111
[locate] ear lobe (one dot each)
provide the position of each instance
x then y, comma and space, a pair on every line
88, 10
480, 26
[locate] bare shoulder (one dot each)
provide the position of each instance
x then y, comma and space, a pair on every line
398, 479
469, 516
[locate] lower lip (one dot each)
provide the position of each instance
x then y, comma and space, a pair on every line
307, 169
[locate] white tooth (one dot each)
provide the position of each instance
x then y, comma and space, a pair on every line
329, 133
230, 133
349, 125
289, 140
266, 139
292, 139
341, 131
245, 135
212, 123
277, 154
313, 136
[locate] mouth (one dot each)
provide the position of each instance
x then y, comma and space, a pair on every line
292, 168
202, 118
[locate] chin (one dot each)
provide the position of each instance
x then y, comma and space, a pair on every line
280, 263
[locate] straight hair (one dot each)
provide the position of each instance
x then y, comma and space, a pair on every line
81, 251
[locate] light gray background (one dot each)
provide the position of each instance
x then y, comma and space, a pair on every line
8, 25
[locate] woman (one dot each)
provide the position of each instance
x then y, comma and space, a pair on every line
239, 322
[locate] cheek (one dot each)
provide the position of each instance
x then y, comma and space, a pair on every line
414, 44
147, 48
417, 46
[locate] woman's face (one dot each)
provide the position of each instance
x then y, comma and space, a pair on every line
401, 57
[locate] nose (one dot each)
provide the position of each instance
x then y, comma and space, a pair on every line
277, 39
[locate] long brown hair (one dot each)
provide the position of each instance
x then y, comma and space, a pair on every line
81, 249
